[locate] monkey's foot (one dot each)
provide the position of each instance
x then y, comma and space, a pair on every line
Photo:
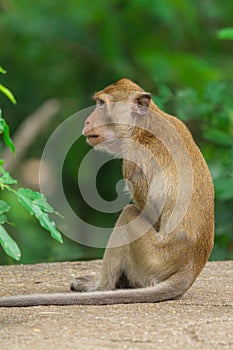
82, 284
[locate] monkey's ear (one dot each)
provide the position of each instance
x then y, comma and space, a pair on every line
141, 103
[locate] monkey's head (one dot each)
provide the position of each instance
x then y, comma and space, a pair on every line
117, 108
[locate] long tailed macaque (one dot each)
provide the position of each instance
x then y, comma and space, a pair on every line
162, 241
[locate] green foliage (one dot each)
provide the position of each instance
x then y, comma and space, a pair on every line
34, 202
4, 208
210, 117
9, 245
5, 178
226, 33
37, 205
71, 49
6, 91
5, 130
4, 127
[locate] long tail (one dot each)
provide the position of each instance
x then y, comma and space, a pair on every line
172, 288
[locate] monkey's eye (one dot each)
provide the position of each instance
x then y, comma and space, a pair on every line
100, 103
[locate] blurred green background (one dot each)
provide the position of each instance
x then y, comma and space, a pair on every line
70, 49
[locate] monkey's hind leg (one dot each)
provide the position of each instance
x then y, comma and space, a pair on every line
116, 254
83, 284
112, 275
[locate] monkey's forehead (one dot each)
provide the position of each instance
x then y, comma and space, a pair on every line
123, 85
126, 84
116, 96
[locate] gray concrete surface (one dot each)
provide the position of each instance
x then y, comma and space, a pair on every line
201, 319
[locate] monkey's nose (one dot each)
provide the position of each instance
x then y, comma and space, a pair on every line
84, 130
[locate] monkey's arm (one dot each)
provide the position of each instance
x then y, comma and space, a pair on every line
172, 288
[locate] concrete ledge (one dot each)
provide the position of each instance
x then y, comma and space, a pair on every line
201, 319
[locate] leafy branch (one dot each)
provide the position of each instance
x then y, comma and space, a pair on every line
34, 202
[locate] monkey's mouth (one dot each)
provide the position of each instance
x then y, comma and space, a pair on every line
92, 136
93, 139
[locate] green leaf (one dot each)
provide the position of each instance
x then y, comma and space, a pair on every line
25, 201
7, 93
38, 198
3, 71
4, 207
225, 33
9, 245
3, 219
47, 223
36, 204
7, 139
4, 128
5, 178
219, 137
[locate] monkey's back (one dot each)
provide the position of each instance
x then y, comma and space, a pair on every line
159, 182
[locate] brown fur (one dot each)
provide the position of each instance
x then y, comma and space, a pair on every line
157, 265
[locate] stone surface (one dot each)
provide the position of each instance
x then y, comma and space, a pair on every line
201, 319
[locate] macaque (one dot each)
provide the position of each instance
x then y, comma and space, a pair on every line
162, 241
